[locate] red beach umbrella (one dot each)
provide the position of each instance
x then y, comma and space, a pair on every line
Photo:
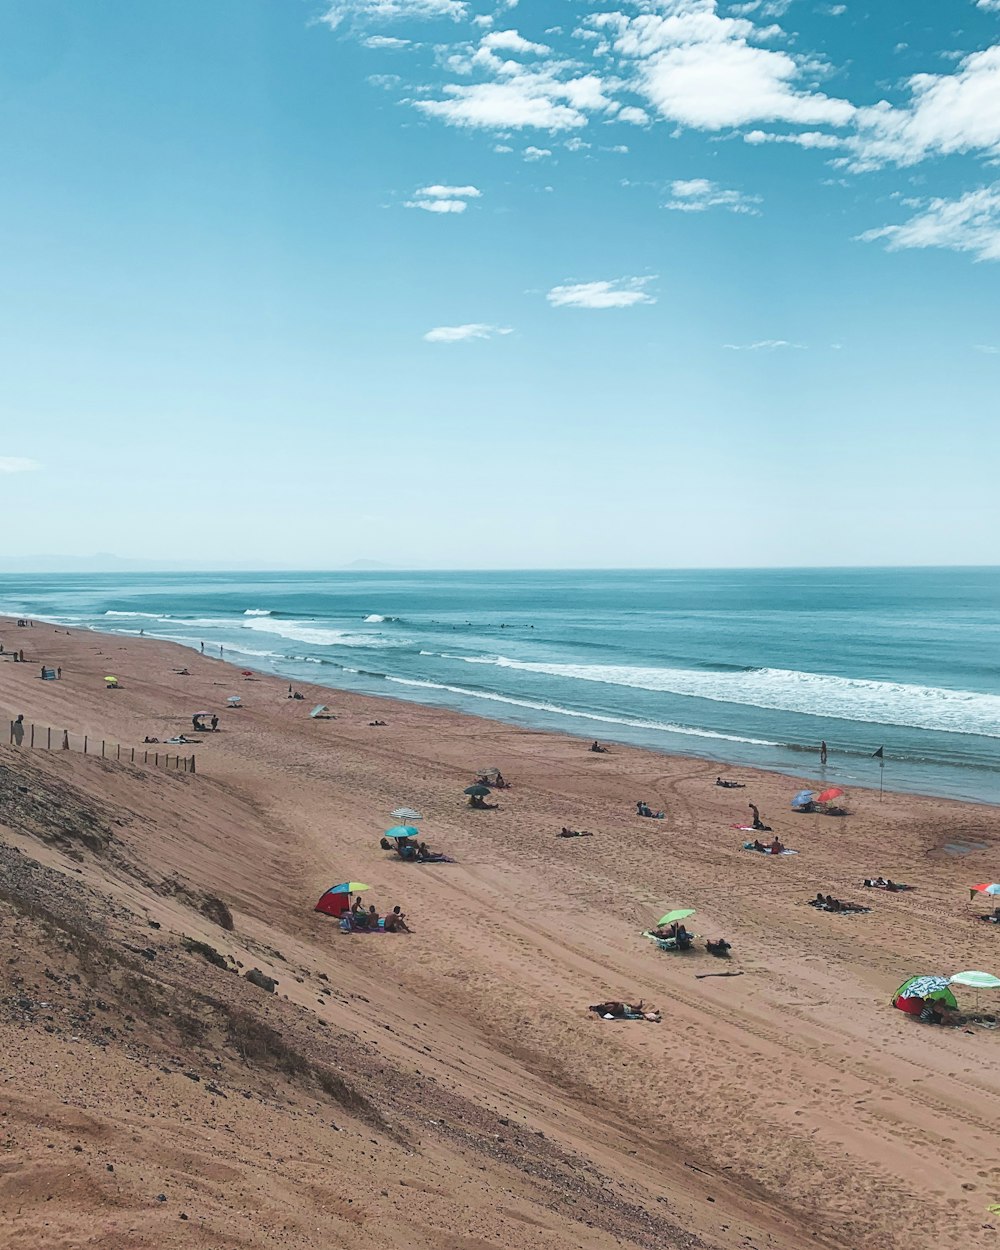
827, 796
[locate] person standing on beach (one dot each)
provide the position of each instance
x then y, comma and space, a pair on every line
17, 730
203, 648
822, 752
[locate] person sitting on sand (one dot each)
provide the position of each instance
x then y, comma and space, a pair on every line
936, 1012
147, 739
719, 946
598, 749
426, 855
776, 847
478, 802
395, 921
757, 845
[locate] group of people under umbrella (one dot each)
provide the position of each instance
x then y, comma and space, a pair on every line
932, 1000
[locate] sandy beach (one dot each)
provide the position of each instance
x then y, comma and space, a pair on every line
474, 1100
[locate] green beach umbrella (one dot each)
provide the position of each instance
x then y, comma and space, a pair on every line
477, 792
681, 913
976, 981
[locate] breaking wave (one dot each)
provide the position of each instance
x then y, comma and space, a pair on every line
320, 636
786, 690
603, 718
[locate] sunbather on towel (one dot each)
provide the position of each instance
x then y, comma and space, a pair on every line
573, 833
626, 1011
426, 856
719, 947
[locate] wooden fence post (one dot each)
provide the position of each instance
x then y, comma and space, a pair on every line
156, 760
48, 746
32, 734
65, 744
133, 755
119, 750
193, 769
85, 744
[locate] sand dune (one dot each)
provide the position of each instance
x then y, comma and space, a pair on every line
476, 1100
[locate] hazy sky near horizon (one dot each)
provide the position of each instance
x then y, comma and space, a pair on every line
480, 283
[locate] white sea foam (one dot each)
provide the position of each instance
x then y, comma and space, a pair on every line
256, 611
374, 619
320, 636
591, 716
786, 690
149, 616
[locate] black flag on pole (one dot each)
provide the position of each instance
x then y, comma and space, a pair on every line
879, 754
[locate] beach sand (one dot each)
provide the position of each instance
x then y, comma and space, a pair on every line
479, 1102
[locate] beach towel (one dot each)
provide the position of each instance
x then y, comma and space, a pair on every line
668, 944
898, 887
745, 828
749, 846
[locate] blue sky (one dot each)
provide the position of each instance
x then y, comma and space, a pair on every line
552, 283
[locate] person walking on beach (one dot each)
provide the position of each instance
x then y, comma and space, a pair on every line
822, 752
17, 730
215, 724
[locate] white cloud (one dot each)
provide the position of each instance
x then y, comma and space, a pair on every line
18, 464
385, 41
392, 10
991, 6
443, 199
460, 334
532, 153
511, 41
969, 224
436, 190
764, 345
708, 72
618, 293
634, 116
576, 144
696, 195
536, 98
803, 139
947, 113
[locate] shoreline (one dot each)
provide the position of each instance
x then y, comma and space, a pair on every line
489, 998
544, 719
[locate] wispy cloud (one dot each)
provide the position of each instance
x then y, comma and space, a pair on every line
969, 224
764, 345
617, 293
443, 199
532, 153
340, 11
385, 41
697, 195
460, 334
18, 464
988, 348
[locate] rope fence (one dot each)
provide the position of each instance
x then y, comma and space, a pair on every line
45, 738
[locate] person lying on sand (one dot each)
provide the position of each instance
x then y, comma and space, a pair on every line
719, 947
730, 785
626, 1011
883, 883
573, 833
376, 723
145, 740
993, 917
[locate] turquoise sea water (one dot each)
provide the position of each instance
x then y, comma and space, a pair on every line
750, 667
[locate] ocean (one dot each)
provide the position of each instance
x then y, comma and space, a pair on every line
743, 667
